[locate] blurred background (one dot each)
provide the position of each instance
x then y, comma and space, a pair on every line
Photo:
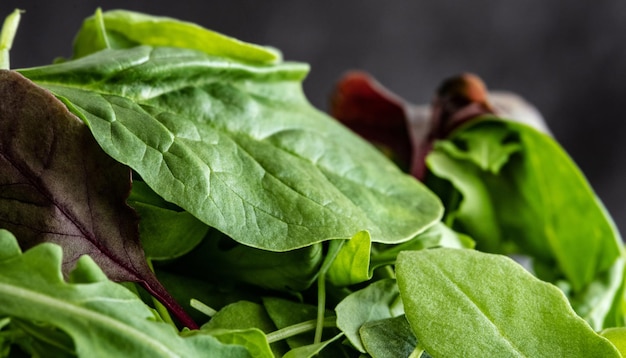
567, 58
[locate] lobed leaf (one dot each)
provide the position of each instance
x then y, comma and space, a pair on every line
103, 318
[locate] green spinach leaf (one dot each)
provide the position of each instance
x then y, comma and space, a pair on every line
239, 147
377, 301
491, 306
389, 337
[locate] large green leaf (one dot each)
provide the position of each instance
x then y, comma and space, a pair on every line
58, 185
518, 185
239, 147
464, 303
103, 318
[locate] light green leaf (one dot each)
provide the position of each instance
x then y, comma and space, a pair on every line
377, 301
285, 313
490, 150
253, 339
241, 315
475, 214
464, 303
103, 318
244, 316
8, 245
311, 350
539, 199
597, 299
123, 29
617, 336
239, 147
390, 337
438, 235
7, 34
352, 264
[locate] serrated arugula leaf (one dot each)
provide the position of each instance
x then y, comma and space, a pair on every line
491, 306
103, 318
239, 147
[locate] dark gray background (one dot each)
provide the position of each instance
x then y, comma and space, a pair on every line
567, 58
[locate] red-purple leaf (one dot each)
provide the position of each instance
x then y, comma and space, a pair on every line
57, 185
406, 130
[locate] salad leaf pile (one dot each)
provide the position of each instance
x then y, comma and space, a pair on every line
169, 191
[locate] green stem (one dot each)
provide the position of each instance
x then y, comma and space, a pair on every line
321, 307
202, 307
7, 34
298, 328
417, 352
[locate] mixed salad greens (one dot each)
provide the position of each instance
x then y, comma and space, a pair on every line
169, 191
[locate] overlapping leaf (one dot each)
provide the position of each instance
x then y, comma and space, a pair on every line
239, 147
532, 198
103, 318
57, 185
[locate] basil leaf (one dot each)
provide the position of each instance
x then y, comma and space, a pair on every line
124, 29
466, 303
103, 318
239, 147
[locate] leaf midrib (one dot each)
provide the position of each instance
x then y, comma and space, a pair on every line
30, 298
457, 288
